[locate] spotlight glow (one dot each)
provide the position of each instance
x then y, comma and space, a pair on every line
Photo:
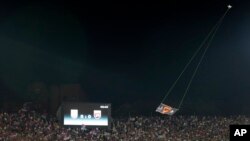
229, 6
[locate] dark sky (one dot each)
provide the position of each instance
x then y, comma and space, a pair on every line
130, 53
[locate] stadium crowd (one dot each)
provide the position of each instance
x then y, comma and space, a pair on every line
30, 126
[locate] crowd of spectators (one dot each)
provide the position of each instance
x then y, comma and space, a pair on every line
30, 125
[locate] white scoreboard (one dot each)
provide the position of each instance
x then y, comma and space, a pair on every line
88, 114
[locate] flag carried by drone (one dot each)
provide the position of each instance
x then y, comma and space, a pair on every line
168, 110
165, 109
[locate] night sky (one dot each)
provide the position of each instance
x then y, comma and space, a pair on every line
130, 53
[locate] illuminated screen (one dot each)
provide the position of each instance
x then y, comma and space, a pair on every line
89, 114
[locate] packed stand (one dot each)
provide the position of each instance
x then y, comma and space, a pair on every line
29, 125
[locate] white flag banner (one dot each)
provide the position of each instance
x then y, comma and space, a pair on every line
165, 109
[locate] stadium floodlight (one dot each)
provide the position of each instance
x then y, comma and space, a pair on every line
229, 6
